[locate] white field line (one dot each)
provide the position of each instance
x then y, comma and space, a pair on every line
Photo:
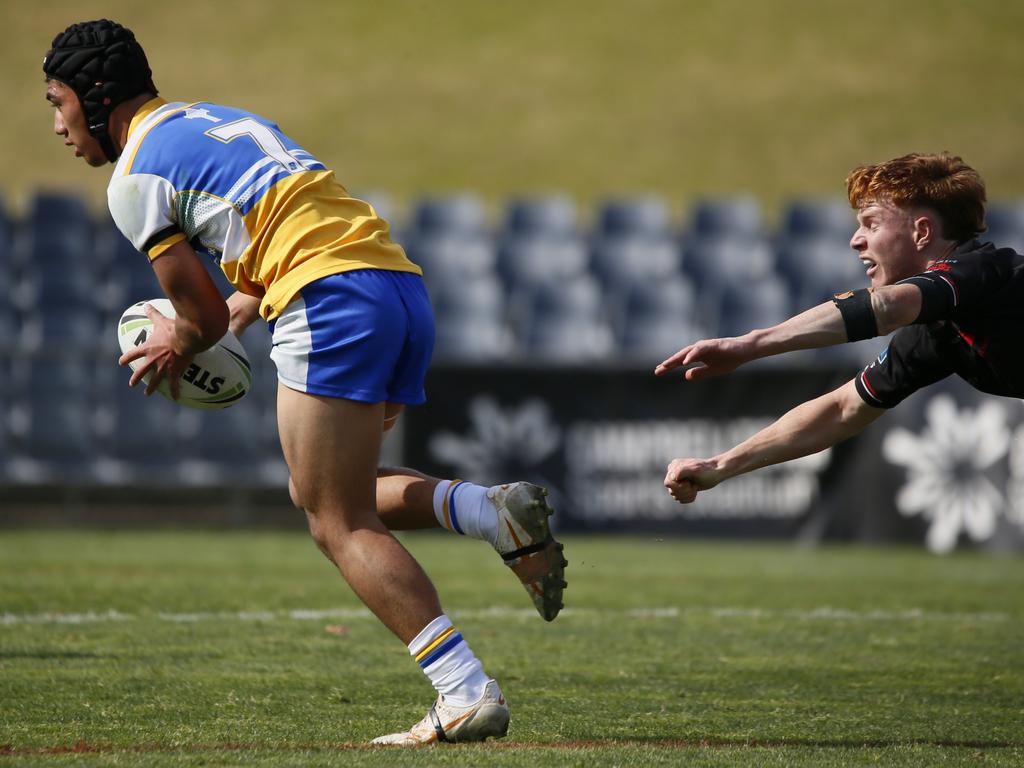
505, 613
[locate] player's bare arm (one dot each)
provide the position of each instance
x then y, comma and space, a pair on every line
810, 427
202, 319
824, 325
895, 306
244, 310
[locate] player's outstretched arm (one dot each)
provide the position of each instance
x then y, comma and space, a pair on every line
819, 326
891, 307
710, 357
810, 427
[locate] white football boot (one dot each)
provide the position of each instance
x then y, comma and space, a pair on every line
526, 545
486, 719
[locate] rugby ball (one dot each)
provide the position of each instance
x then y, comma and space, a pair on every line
217, 377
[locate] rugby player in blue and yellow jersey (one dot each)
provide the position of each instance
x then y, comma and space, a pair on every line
352, 337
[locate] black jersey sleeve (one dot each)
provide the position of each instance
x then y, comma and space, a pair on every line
911, 361
960, 284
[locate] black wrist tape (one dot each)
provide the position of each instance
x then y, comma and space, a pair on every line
858, 316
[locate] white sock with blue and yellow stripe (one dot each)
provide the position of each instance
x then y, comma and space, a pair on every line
447, 660
464, 508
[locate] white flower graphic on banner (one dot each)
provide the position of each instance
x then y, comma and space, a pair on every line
945, 466
501, 443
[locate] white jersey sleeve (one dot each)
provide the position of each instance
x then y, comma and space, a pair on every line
142, 206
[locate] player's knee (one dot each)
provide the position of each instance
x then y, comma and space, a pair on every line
320, 534
317, 531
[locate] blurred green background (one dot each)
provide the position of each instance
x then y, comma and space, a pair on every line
594, 98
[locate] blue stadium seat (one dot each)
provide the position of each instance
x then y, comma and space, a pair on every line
620, 262
271, 470
221, 448
726, 242
634, 217
42, 288
6, 453
567, 323
111, 254
10, 328
7, 355
659, 317
8, 277
61, 281
825, 218
483, 341
73, 325
818, 267
8, 271
1005, 221
132, 277
531, 261
58, 232
138, 436
724, 261
470, 318
57, 264
451, 258
475, 296
52, 419
129, 276
551, 216
456, 215
756, 305
727, 217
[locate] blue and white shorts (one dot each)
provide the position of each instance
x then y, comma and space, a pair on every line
362, 335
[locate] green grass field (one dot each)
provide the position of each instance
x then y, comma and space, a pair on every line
171, 649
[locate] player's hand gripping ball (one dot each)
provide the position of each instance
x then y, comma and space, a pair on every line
216, 378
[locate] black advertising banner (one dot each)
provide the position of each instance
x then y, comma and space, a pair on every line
600, 440
945, 466
950, 460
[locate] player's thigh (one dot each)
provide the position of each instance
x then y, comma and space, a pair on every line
332, 447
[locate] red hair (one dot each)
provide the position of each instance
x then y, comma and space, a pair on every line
942, 182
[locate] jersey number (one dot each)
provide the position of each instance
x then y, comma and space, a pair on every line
264, 138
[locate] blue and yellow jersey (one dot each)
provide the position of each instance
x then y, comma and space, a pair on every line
238, 189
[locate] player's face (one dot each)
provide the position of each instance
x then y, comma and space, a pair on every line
885, 242
69, 122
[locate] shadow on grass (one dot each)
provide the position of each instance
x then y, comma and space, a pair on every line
41, 654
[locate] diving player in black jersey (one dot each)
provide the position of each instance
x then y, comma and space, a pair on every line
956, 304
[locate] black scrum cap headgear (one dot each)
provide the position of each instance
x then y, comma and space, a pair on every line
104, 65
